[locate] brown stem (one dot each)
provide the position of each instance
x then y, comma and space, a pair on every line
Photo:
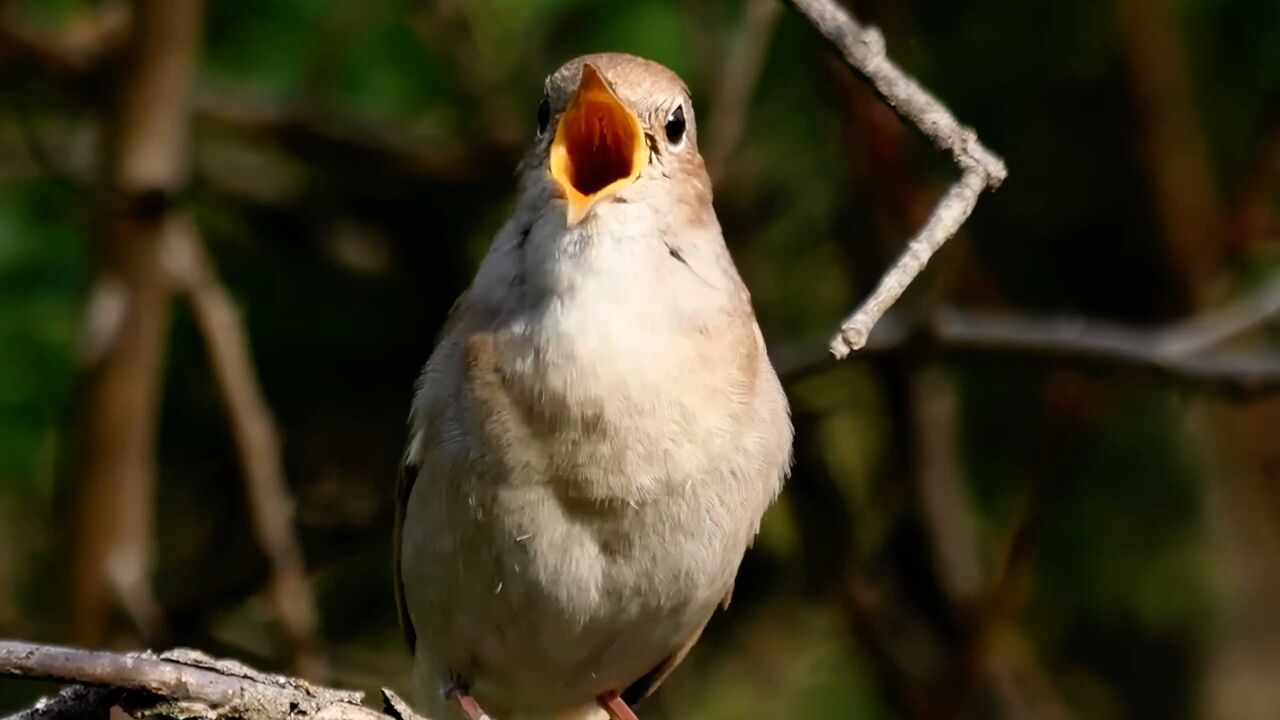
1163, 353
257, 443
1174, 145
126, 321
1242, 459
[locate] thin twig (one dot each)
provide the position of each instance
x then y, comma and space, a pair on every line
1100, 344
1172, 354
945, 509
946, 219
257, 442
309, 134
178, 683
863, 48
1216, 326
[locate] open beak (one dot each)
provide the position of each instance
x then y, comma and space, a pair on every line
599, 147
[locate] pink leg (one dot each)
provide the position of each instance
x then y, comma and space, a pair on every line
616, 707
468, 705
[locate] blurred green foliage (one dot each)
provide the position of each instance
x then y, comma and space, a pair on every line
43, 273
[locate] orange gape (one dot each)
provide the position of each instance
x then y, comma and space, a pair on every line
598, 147
599, 139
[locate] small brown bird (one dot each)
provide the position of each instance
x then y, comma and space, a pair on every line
598, 432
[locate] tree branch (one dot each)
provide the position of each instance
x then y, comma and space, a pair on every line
127, 320
256, 438
79, 54
1216, 326
863, 48
1183, 353
178, 684
358, 155
346, 141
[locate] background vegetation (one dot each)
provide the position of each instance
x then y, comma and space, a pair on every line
970, 532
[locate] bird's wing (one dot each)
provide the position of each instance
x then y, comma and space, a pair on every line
649, 682
479, 306
404, 485
406, 478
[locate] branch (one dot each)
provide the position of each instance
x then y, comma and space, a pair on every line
178, 684
149, 248
363, 157
1094, 343
349, 143
149, 142
1183, 353
863, 48
1174, 143
1216, 326
82, 52
256, 438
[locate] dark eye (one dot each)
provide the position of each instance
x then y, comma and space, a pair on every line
544, 115
675, 126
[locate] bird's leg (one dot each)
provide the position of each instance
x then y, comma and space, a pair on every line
616, 706
457, 692
470, 707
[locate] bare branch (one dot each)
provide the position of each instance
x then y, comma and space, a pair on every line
311, 135
257, 441
1100, 344
946, 219
146, 249
1174, 354
863, 48
1216, 326
179, 684
366, 154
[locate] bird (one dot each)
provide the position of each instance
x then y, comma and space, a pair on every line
598, 432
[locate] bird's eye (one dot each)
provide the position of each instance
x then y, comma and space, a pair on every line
544, 115
675, 126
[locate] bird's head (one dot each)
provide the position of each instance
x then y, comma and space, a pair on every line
616, 128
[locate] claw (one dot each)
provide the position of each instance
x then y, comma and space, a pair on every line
616, 706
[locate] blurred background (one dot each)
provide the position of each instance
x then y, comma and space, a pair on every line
230, 231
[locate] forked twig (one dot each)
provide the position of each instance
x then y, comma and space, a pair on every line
864, 49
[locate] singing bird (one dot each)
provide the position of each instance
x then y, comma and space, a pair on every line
599, 430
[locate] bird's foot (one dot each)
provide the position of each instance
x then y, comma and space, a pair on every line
616, 706
458, 693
